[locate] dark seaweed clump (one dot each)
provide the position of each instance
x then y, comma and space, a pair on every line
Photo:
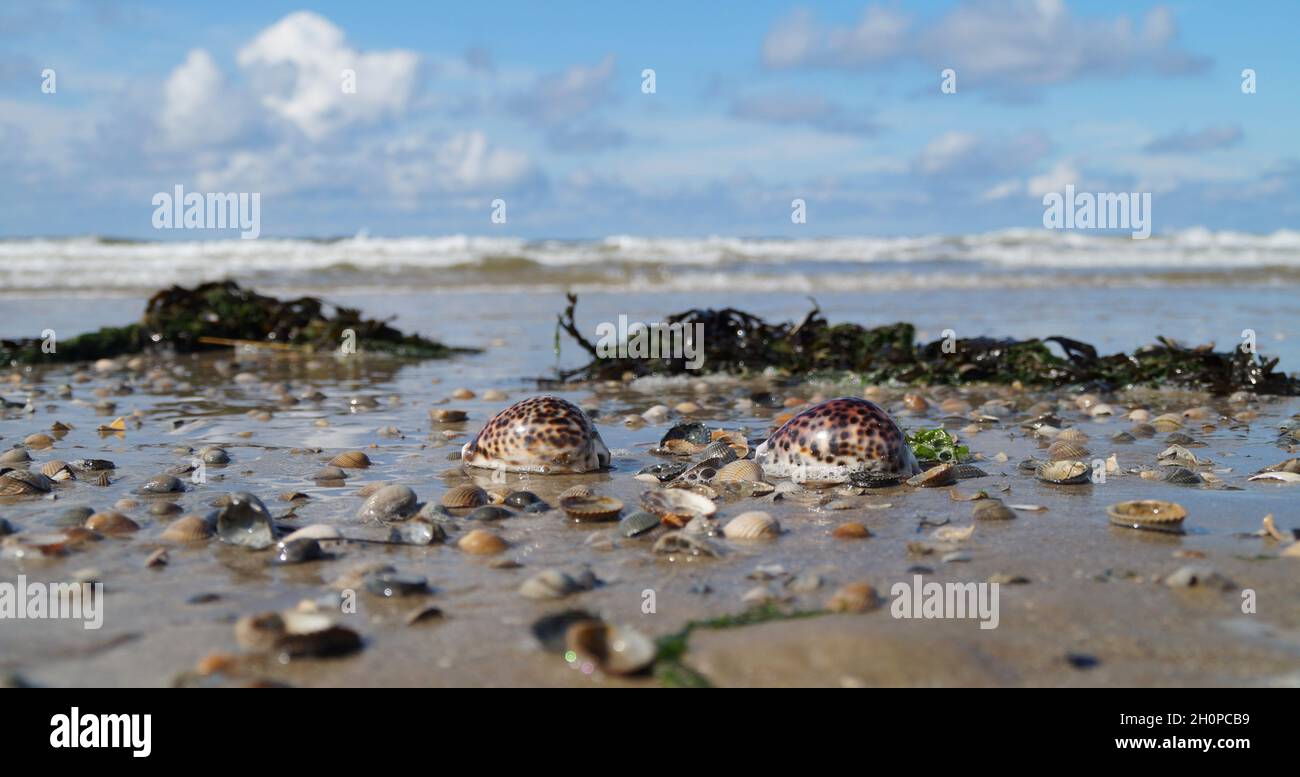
741, 343
180, 319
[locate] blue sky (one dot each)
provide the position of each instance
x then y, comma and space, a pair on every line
542, 105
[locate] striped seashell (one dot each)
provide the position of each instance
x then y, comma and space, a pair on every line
1073, 435
111, 522
591, 508
942, 475
103, 479
351, 460
467, 495
1167, 423
22, 482
740, 471
992, 510
1149, 514
57, 470
576, 491
1061, 450
753, 525
967, 471
677, 506
734, 440
1064, 473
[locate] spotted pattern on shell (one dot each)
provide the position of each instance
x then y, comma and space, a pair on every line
827, 442
543, 435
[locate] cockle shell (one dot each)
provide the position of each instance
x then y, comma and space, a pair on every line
942, 475
740, 471
111, 522
1060, 450
828, 441
351, 460
21, 482
543, 435
466, 495
1064, 472
591, 508
753, 525
190, 528
57, 470
1150, 514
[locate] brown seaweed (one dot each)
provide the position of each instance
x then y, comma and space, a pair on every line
740, 343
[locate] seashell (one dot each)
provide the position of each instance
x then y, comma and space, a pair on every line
57, 470
38, 440
942, 475
591, 508
117, 426
955, 406
703, 472
549, 584
350, 460
162, 484
187, 529
1167, 423
392, 584
447, 415
686, 438
245, 521
315, 531
1100, 409
1280, 475
740, 471
915, 403
684, 543
661, 473
545, 435
1064, 473
638, 523
488, 513
1122, 438
734, 440
720, 450
992, 510
676, 507
854, 598
22, 482
1150, 514
481, 542
214, 455
520, 499
296, 551
389, 503
830, 440
94, 465
15, 456
330, 475
1182, 476
753, 525
614, 649
466, 495
1143, 430
1178, 453
103, 479
164, 509
576, 491
111, 522
314, 634
1073, 435
967, 471
1290, 465
851, 531
1061, 450
417, 532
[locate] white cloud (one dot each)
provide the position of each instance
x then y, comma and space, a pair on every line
296, 66
199, 105
1007, 44
971, 155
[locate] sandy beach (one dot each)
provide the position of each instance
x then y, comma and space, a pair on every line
1082, 602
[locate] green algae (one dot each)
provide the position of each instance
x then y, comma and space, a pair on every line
670, 668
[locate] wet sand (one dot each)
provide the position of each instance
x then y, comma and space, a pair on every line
1093, 592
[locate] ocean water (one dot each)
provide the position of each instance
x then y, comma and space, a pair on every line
1195, 286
